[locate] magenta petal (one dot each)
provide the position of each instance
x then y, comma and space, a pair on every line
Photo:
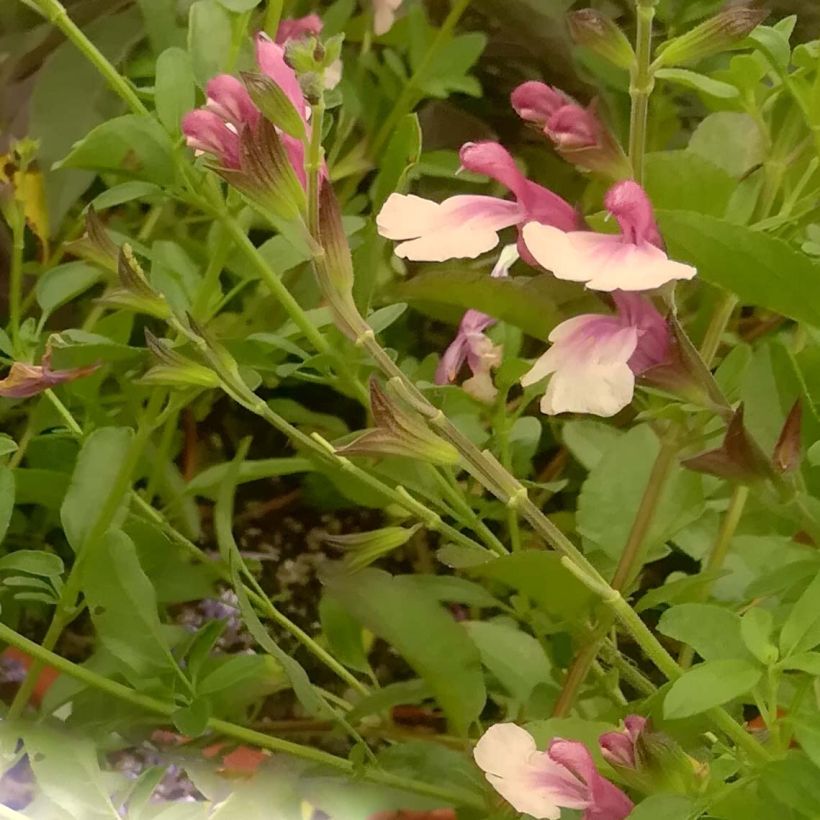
206, 131
630, 205
452, 360
298, 27
271, 59
537, 102
653, 339
229, 99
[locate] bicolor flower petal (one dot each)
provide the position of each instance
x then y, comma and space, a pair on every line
542, 783
631, 261
594, 358
384, 15
26, 380
466, 226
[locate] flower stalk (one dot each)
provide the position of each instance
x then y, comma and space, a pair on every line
640, 87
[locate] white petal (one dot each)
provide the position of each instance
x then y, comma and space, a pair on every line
601, 390
460, 227
638, 267
525, 798
504, 749
545, 364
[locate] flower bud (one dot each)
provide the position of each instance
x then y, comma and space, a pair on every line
96, 246
266, 176
713, 36
135, 293
274, 104
26, 380
173, 369
363, 548
399, 432
595, 31
786, 456
739, 458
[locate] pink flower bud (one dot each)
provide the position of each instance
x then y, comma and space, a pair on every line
298, 27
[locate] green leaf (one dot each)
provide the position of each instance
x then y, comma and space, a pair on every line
7, 445
803, 662
232, 683
708, 188
6, 500
761, 269
807, 732
95, 473
666, 807
708, 685
793, 782
446, 71
209, 39
64, 283
756, 630
192, 720
536, 304
698, 82
207, 482
800, 631
240, 5
174, 90
132, 146
452, 589
344, 635
394, 694
588, 440
35, 562
124, 192
423, 633
516, 659
123, 607
70, 779
680, 590
541, 577
160, 22
401, 155
612, 493
457, 556
730, 140
712, 631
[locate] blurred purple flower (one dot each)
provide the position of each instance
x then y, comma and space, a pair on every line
26, 380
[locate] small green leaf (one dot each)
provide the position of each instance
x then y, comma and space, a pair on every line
132, 146
712, 631
756, 630
698, 82
666, 807
7, 445
800, 631
63, 283
402, 153
35, 562
124, 192
96, 472
174, 91
394, 694
708, 685
6, 499
209, 39
794, 783
803, 662
423, 633
730, 140
807, 732
344, 635
515, 659
192, 720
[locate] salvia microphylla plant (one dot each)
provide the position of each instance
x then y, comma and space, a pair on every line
596, 498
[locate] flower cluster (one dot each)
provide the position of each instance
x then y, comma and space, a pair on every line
594, 359
540, 784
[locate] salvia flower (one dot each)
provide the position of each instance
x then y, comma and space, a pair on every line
594, 358
473, 346
229, 110
465, 226
384, 15
577, 133
26, 380
619, 748
631, 260
540, 784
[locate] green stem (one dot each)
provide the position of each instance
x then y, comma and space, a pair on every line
55, 13
640, 87
313, 166
406, 100
630, 562
18, 241
719, 552
502, 431
117, 690
717, 327
66, 609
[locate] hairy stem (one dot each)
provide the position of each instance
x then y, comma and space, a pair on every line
640, 87
18, 239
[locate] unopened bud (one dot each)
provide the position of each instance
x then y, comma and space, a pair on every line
174, 369
274, 104
595, 31
786, 456
96, 246
135, 293
400, 432
363, 548
266, 177
713, 36
739, 458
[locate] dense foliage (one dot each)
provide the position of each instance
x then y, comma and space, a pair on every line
377, 415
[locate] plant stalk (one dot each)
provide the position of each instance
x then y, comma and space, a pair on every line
640, 88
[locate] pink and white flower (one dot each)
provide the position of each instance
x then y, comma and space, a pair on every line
542, 783
473, 346
384, 15
618, 748
633, 260
215, 129
466, 226
595, 358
